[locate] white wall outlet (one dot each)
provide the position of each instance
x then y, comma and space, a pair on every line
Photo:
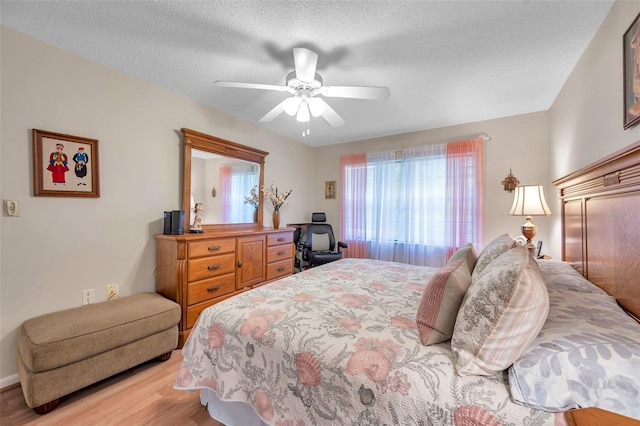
12, 207
88, 296
112, 291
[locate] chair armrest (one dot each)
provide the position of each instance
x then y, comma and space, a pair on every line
342, 245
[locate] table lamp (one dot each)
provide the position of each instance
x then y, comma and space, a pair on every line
529, 201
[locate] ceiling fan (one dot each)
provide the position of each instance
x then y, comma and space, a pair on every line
306, 86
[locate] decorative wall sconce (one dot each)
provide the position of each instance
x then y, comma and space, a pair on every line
510, 182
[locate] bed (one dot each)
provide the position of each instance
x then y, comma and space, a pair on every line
496, 338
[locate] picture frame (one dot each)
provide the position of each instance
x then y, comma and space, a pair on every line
538, 252
65, 165
631, 73
330, 189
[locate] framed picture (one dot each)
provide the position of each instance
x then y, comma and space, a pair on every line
330, 189
65, 165
631, 68
538, 253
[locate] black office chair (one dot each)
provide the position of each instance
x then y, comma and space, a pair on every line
320, 246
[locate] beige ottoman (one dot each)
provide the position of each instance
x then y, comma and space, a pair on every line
61, 352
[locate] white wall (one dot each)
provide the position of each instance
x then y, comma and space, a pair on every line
60, 246
585, 121
519, 143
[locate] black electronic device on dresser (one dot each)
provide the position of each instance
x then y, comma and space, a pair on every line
174, 222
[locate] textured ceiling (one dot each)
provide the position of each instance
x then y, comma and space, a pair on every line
445, 62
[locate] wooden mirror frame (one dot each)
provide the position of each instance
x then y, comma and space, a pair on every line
208, 143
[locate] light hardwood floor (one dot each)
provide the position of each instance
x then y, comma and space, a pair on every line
143, 395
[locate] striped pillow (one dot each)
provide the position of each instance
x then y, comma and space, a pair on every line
467, 253
501, 314
440, 302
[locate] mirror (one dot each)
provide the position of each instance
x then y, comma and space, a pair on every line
225, 177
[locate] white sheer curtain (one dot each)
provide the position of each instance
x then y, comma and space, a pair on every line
406, 193
242, 179
413, 206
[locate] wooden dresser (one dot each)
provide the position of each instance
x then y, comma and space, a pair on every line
200, 270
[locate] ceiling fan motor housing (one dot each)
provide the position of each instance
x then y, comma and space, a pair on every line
296, 86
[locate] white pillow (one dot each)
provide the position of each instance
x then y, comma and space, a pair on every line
500, 315
586, 355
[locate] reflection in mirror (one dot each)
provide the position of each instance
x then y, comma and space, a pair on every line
224, 185
221, 175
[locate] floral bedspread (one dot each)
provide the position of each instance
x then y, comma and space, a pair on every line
338, 344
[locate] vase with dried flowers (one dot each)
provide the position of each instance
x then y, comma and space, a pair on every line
277, 200
254, 200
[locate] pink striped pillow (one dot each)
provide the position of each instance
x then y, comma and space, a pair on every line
440, 302
501, 314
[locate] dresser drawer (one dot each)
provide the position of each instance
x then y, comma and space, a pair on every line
279, 269
193, 311
200, 291
280, 238
277, 253
208, 248
209, 267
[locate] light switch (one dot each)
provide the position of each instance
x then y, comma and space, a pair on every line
12, 207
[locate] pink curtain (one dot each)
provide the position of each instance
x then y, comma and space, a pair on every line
225, 191
465, 194
353, 213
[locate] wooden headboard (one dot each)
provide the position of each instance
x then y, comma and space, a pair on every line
601, 224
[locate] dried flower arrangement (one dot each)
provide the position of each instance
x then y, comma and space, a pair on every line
253, 198
277, 199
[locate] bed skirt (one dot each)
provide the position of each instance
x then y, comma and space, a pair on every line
230, 413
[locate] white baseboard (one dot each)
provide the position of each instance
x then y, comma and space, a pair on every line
9, 380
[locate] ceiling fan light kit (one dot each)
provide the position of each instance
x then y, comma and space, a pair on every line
306, 85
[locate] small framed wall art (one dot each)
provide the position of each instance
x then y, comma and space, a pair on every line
330, 189
65, 165
631, 67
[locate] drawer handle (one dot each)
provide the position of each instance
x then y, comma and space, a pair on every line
214, 288
214, 248
282, 268
281, 239
280, 253
239, 263
213, 267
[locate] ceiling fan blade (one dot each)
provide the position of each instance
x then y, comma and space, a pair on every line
356, 92
239, 85
276, 111
332, 116
305, 61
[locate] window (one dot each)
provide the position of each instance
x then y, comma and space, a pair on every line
237, 182
415, 206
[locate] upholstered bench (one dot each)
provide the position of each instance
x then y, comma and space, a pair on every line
61, 352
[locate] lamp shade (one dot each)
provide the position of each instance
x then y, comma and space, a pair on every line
303, 112
529, 201
291, 105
